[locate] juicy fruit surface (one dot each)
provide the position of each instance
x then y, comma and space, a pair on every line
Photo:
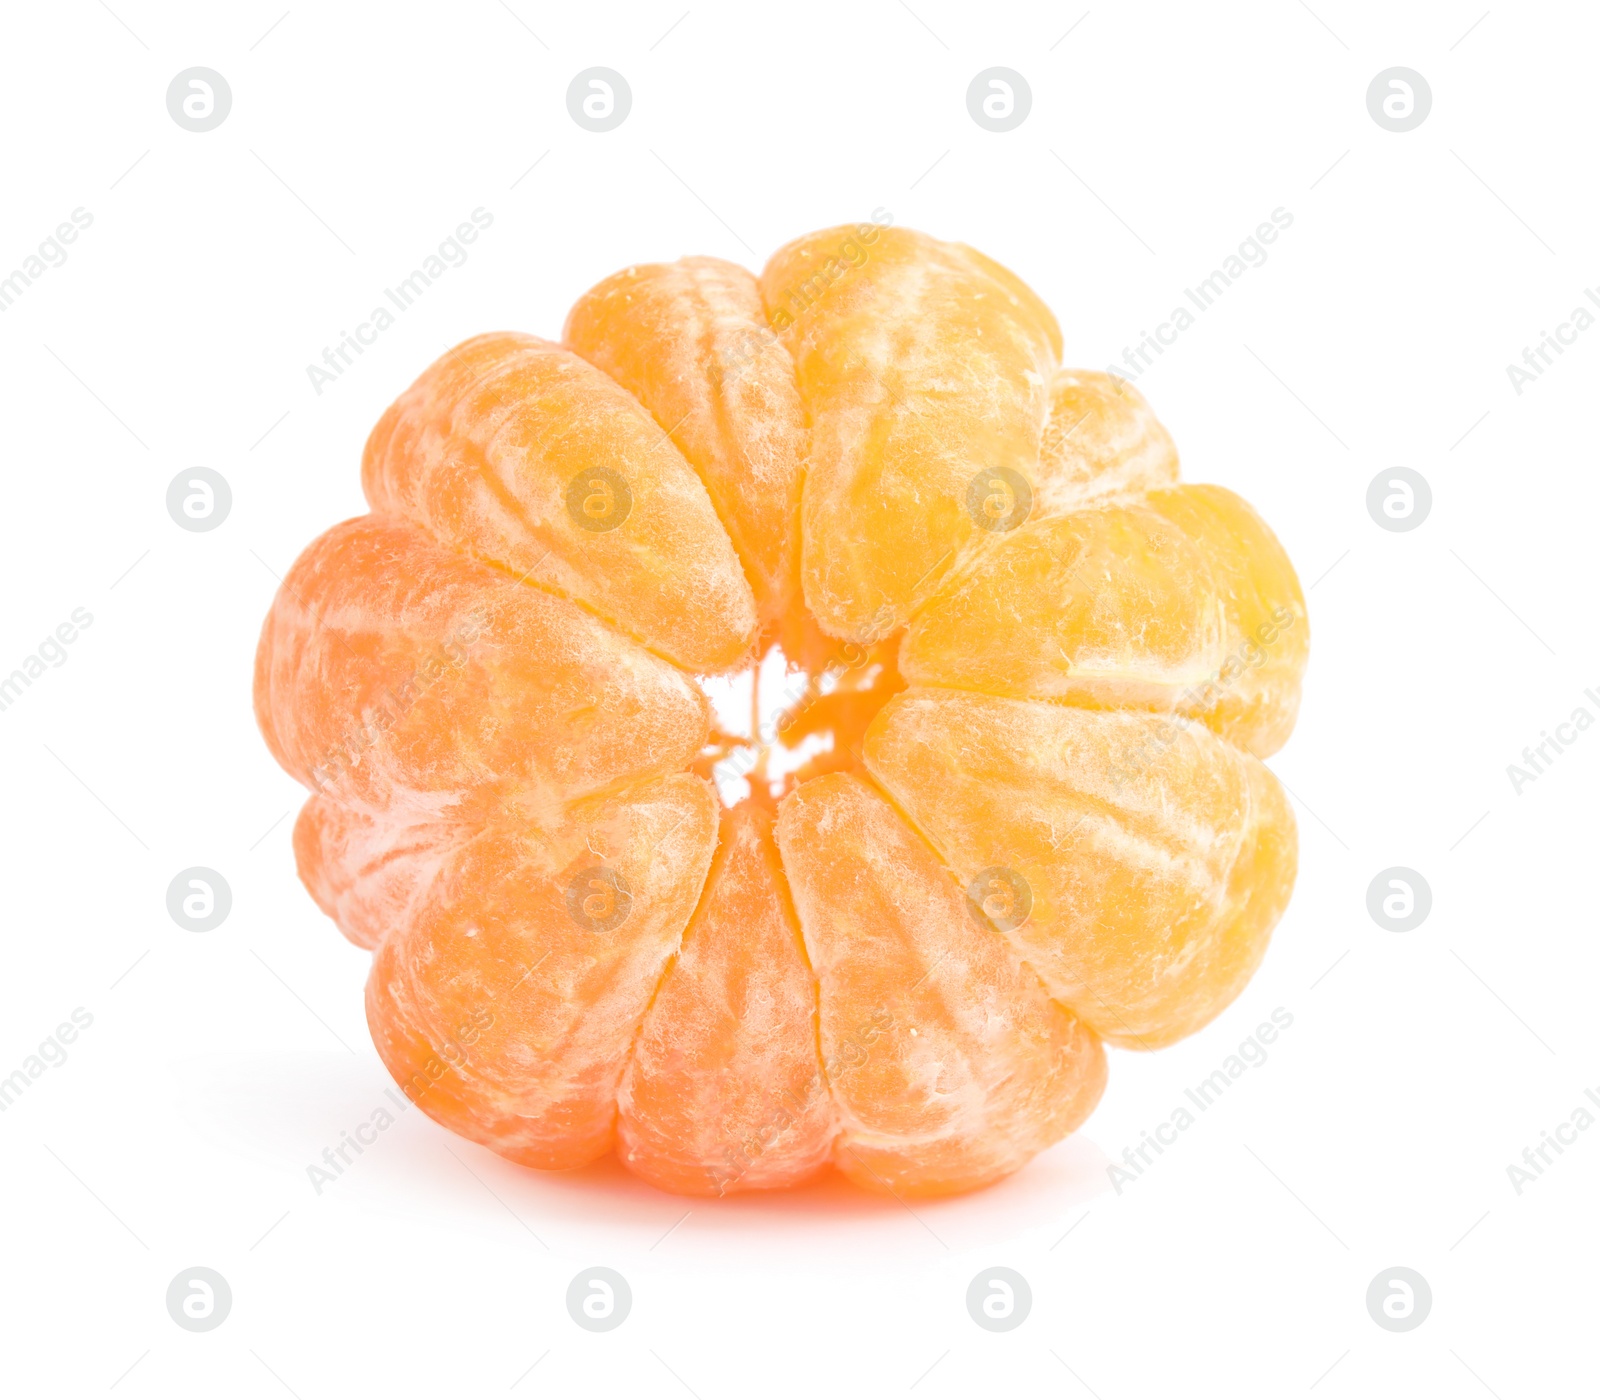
398, 676
482, 451
1101, 443
509, 1020
1157, 858
952, 1065
1181, 602
689, 340
725, 1089
1015, 809
922, 366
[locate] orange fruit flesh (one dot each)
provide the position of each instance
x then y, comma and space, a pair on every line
1101, 443
921, 368
502, 710
689, 340
1181, 601
366, 871
482, 451
398, 676
725, 1089
509, 1020
950, 1064
1139, 839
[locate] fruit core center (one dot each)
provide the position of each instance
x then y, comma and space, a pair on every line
799, 711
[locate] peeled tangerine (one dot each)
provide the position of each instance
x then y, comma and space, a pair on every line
1011, 807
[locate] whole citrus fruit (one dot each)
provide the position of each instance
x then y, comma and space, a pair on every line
789, 722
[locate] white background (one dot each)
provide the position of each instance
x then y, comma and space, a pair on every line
176, 335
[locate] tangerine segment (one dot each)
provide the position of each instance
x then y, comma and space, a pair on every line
506, 1007
517, 451
1102, 442
725, 1091
949, 1063
922, 364
1255, 697
1182, 602
1137, 862
1106, 608
390, 668
690, 341
366, 870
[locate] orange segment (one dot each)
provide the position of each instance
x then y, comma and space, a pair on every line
690, 341
725, 1090
507, 1006
1156, 858
521, 453
1255, 697
389, 667
1106, 608
1183, 602
925, 369
1101, 443
949, 1064
366, 870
